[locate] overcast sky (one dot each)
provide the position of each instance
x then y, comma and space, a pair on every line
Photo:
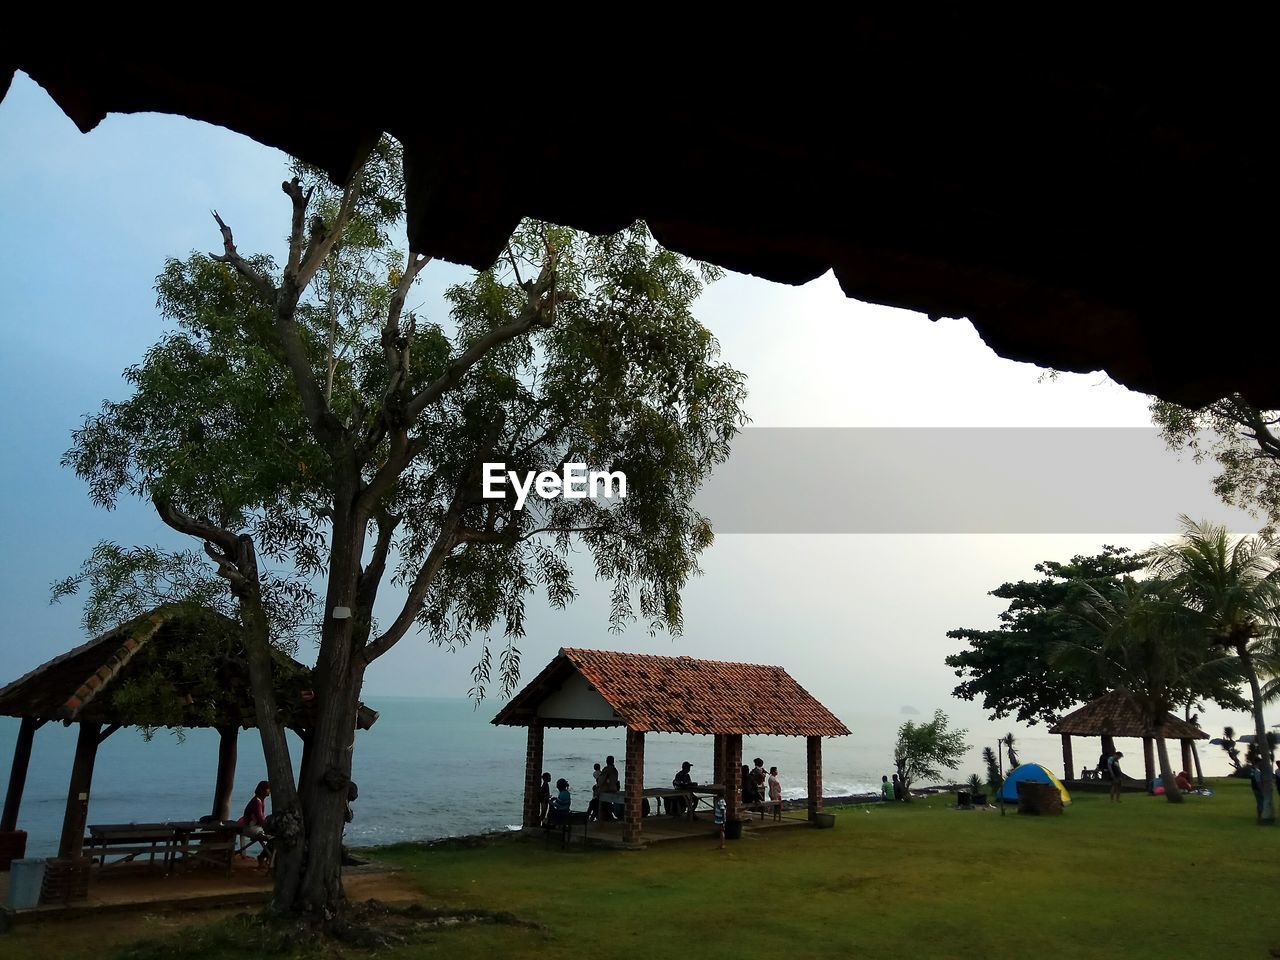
858, 619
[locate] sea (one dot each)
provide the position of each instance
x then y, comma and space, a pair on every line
433, 768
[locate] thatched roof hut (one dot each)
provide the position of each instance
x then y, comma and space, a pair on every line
179, 666
1117, 714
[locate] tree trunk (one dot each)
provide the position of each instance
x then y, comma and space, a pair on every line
324, 798
1167, 776
339, 675
1267, 815
287, 823
1195, 756
286, 811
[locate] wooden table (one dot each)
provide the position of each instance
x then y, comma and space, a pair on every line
180, 841
700, 792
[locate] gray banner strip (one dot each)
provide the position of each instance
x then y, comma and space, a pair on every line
947, 480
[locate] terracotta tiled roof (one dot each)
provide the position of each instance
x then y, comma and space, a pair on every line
684, 695
1116, 714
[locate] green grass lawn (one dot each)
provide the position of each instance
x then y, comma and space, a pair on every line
1140, 878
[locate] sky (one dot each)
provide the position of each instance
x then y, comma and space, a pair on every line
860, 620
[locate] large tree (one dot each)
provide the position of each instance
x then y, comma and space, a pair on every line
302, 410
1232, 588
1007, 667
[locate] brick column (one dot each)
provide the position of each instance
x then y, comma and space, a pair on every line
633, 788
717, 762
815, 776
533, 773
732, 759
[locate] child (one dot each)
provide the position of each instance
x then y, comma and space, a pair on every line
593, 807
775, 793
563, 799
544, 799
719, 819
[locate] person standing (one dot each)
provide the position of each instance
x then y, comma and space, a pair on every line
544, 799
759, 777
610, 783
775, 793
593, 808
719, 818
886, 788
1116, 774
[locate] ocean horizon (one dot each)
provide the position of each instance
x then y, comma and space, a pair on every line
436, 767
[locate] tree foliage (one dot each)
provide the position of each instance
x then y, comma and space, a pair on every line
1007, 667
925, 749
1244, 442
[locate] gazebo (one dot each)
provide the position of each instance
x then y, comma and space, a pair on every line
653, 694
1116, 714
176, 666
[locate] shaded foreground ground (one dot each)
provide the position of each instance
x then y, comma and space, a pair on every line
1140, 878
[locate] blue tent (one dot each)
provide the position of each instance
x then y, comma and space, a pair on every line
1034, 773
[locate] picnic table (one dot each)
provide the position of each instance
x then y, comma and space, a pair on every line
175, 842
699, 793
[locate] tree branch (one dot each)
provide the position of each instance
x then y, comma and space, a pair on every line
222, 546
540, 301
261, 282
371, 576
305, 262
440, 551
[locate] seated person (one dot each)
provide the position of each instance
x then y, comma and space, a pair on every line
560, 806
677, 806
1183, 782
254, 821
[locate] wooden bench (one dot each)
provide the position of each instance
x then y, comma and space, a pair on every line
186, 842
128, 841
564, 821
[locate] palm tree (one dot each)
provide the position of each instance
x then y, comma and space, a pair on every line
1233, 590
1150, 649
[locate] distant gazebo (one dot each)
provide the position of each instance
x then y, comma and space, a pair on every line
1117, 714
177, 666
652, 694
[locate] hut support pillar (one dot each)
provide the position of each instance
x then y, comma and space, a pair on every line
226, 781
633, 789
1149, 760
533, 773
1186, 756
717, 762
814, 752
1068, 766
733, 776
71, 845
18, 774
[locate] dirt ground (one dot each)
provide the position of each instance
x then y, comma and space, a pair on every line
53, 936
